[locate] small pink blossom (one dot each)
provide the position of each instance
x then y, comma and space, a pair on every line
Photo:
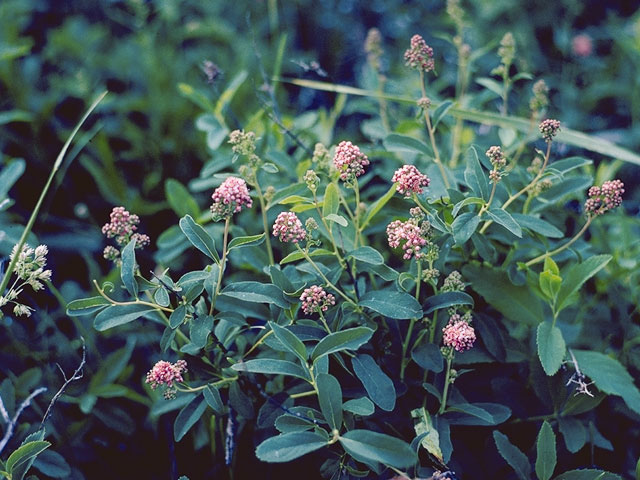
288, 228
166, 374
409, 233
316, 299
496, 157
410, 180
419, 56
582, 45
549, 128
123, 226
458, 334
349, 161
604, 198
230, 197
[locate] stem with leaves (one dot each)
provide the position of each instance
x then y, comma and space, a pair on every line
541, 258
432, 136
447, 382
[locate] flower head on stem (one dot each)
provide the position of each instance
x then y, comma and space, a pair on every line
166, 374
605, 198
458, 334
289, 228
229, 198
349, 161
419, 55
316, 300
549, 128
410, 180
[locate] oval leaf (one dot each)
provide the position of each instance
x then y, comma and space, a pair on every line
271, 367
188, 417
330, 399
513, 456
116, 315
446, 300
367, 255
86, 306
503, 218
249, 241
378, 385
546, 452
128, 269
392, 304
289, 446
349, 339
256, 292
551, 347
464, 226
367, 446
199, 237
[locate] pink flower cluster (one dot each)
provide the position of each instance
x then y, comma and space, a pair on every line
123, 226
316, 299
288, 228
604, 198
458, 334
229, 198
549, 128
349, 161
410, 180
419, 56
166, 374
410, 233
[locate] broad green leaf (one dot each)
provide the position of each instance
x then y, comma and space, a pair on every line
491, 85
199, 329
609, 376
588, 474
378, 385
549, 284
440, 112
199, 237
289, 446
294, 256
86, 306
256, 292
513, 455
367, 255
24, 453
212, 397
349, 339
229, 92
331, 203
567, 164
360, 406
498, 413
574, 433
330, 399
537, 225
424, 426
128, 269
392, 304
465, 202
377, 206
249, 241
518, 303
472, 410
503, 218
395, 142
9, 175
117, 315
560, 190
576, 276
339, 219
446, 300
198, 98
290, 342
14, 115
368, 446
188, 417
464, 226
551, 347
180, 199
429, 357
271, 366
177, 316
546, 458
474, 176
52, 464
291, 423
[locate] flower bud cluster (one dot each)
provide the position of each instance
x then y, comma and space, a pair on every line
229, 198
312, 180
604, 198
409, 235
166, 374
123, 226
419, 56
424, 103
315, 300
458, 334
321, 157
373, 47
349, 161
507, 50
453, 283
540, 99
548, 129
242, 143
288, 228
497, 159
410, 180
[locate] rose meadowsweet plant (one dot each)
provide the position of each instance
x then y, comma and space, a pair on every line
331, 346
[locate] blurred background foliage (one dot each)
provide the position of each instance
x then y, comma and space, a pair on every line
56, 56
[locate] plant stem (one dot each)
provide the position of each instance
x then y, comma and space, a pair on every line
445, 392
137, 302
541, 258
486, 206
265, 224
225, 238
303, 394
324, 323
432, 137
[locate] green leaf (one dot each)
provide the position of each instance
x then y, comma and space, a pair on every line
474, 176
518, 303
180, 199
117, 315
513, 455
289, 446
576, 276
546, 452
537, 225
331, 203
574, 433
464, 226
472, 410
9, 175
431, 438
52, 464
199, 330
367, 446
367, 255
490, 84
588, 474
378, 385
271, 366
24, 453
199, 237
360, 406
440, 112
467, 201
128, 269
249, 241
86, 306
177, 316
551, 347
188, 416
377, 206
473, 415
609, 376
290, 342
339, 219
549, 284
256, 292
395, 142
349, 339
446, 300
429, 357
392, 304
330, 399
212, 397
568, 164
294, 256
503, 218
